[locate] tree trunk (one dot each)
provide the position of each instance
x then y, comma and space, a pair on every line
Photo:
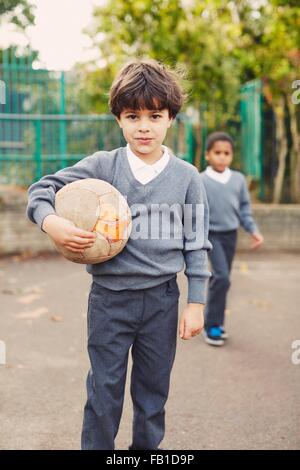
281, 140
295, 156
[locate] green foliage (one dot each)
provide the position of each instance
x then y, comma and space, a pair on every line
17, 53
220, 44
18, 12
198, 38
272, 51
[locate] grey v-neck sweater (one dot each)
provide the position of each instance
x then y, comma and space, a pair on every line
146, 260
229, 203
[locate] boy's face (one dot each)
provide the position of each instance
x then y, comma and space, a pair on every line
220, 155
145, 130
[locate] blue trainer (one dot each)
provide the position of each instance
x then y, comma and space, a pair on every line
224, 334
213, 336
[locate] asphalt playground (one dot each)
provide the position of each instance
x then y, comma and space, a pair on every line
245, 395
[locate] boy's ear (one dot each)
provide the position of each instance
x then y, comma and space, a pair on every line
119, 122
206, 156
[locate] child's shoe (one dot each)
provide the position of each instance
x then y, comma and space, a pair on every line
224, 334
213, 336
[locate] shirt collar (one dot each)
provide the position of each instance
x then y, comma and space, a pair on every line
223, 177
136, 163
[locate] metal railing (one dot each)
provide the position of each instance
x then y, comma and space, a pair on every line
34, 145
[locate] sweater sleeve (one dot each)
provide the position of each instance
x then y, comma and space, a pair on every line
246, 217
196, 243
41, 195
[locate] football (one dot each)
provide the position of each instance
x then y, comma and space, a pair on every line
96, 206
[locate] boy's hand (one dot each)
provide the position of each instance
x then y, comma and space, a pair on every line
191, 321
257, 240
64, 233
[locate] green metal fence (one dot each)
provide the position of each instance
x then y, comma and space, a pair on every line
246, 127
42, 131
251, 130
43, 144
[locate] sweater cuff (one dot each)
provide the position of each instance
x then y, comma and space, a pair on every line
253, 229
197, 290
41, 212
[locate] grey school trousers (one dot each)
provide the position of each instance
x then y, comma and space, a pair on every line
221, 257
145, 320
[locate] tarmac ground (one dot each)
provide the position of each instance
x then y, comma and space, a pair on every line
245, 395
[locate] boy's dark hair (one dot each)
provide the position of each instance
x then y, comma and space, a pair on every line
146, 84
217, 136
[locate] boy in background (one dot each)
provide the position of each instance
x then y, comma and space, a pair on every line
229, 206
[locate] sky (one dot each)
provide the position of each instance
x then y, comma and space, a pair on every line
57, 33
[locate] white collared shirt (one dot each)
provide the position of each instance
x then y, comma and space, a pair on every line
144, 172
220, 177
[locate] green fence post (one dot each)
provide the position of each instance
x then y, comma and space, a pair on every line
203, 125
189, 141
38, 149
62, 123
251, 131
175, 134
261, 154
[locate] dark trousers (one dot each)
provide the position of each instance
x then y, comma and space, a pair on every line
221, 256
145, 320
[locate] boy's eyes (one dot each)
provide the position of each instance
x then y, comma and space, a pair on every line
219, 153
134, 116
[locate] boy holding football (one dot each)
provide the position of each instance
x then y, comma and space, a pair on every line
133, 300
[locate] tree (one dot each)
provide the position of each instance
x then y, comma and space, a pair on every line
18, 12
221, 45
192, 36
273, 54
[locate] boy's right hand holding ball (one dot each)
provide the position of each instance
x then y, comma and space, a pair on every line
64, 233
